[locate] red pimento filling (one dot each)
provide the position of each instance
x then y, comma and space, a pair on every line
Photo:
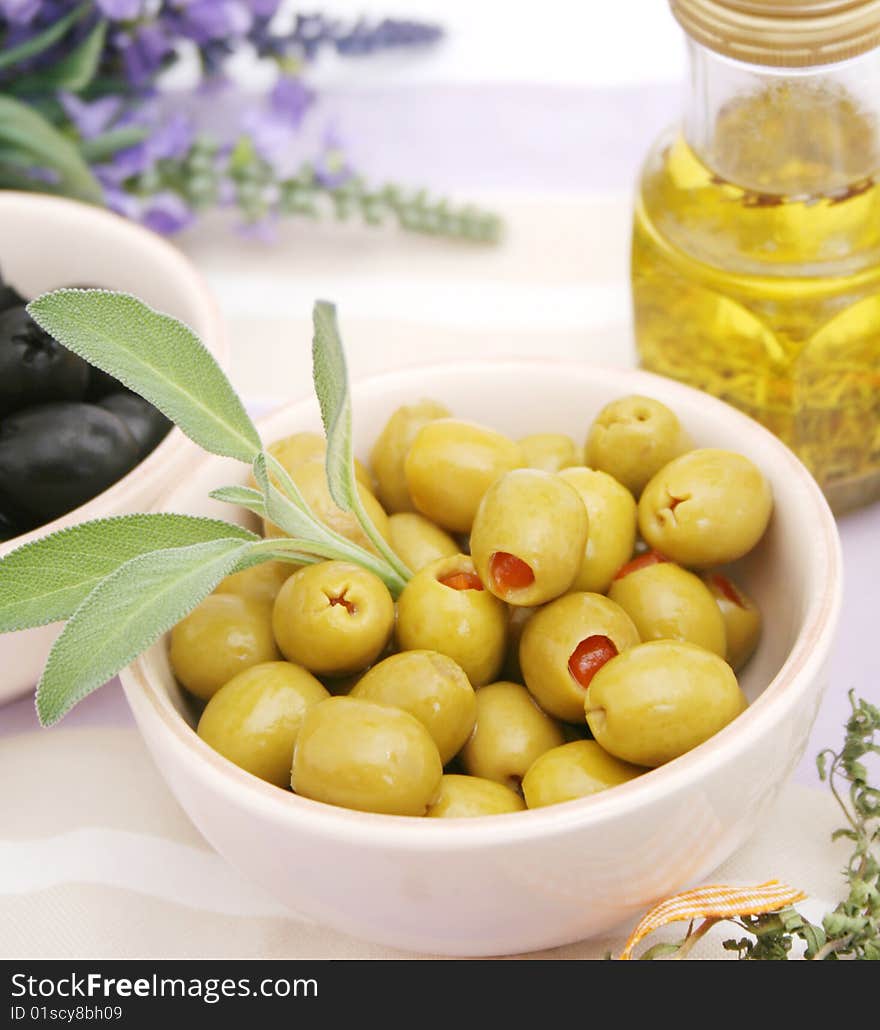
461, 581
589, 657
509, 572
725, 587
642, 562
341, 599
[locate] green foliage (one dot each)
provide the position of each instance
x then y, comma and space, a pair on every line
123, 582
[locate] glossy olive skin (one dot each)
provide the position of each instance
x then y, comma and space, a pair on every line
253, 720
9, 296
430, 686
511, 733
417, 541
632, 438
147, 424
549, 452
35, 368
666, 602
311, 478
551, 637
572, 771
708, 507
742, 618
220, 638
372, 758
333, 618
451, 464
299, 448
469, 626
540, 520
660, 699
390, 451
259, 582
612, 513
55, 457
468, 797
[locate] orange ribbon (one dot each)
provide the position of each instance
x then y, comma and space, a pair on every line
715, 902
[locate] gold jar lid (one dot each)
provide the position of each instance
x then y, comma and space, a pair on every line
782, 33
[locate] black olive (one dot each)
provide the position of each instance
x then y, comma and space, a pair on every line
101, 384
56, 457
8, 526
147, 424
9, 296
34, 368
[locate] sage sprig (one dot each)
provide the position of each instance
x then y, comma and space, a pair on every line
122, 582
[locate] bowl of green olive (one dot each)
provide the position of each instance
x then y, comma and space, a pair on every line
75, 443
600, 663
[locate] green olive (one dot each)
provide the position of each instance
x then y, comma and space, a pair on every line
390, 451
372, 758
311, 478
253, 720
612, 514
528, 537
259, 582
300, 448
451, 464
517, 617
223, 636
429, 686
565, 642
708, 507
632, 438
573, 771
742, 618
445, 608
417, 541
511, 732
668, 603
549, 452
334, 618
658, 700
464, 797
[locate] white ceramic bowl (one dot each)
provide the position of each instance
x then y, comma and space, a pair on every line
531, 880
47, 242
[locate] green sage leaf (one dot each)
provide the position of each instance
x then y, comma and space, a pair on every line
127, 612
72, 72
48, 579
43, 40
331, 386
41, 145
243, 496
158, 357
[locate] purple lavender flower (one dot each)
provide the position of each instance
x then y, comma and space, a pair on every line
91, 119
143, 52
171, 140
206, 20
290, 100
20, 12
166, 213
121, 10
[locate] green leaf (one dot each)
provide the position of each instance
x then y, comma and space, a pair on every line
99, 148
43, 146
72, 72
156, 356
294, 517
331, 385
127, 612
48, 579
243, 496
43, 40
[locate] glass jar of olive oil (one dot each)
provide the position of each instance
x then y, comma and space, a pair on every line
756, 244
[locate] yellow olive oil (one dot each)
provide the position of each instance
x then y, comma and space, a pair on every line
761, 283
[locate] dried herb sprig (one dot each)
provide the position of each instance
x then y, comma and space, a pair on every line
852, 929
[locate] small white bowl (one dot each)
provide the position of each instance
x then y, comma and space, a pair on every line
514, 883
48, 242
